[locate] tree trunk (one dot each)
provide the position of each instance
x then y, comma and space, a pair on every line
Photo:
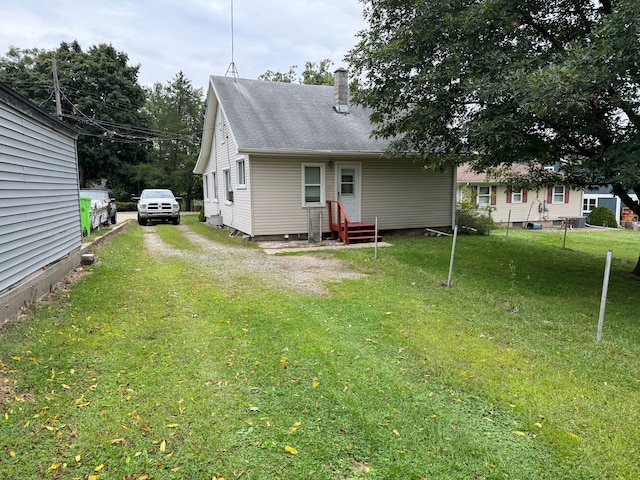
636, 271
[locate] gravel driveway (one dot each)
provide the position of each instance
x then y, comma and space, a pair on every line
308, 273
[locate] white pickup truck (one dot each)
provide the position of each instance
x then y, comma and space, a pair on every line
158, 204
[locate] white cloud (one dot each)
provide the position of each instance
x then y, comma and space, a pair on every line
193, 36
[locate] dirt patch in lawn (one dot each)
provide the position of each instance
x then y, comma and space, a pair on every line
8, 394
308, 273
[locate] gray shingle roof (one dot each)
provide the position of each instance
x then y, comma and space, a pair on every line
292, 118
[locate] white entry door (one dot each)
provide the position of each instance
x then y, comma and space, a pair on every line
348, 183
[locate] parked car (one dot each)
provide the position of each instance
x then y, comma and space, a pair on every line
103, 207
158, 204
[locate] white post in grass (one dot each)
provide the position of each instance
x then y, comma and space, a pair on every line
508, 223
376, 241
453, 252
603, 299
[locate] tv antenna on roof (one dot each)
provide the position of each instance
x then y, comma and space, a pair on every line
232, 70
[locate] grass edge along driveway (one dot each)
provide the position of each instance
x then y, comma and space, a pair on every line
152, 368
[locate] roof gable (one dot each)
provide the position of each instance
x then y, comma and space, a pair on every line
292, 118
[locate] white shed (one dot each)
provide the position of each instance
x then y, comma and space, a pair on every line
39, 201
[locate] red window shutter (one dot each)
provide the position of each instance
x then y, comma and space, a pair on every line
508, 196
524, 195
494, 192
566, 195
550, 195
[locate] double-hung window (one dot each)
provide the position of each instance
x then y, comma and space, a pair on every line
205, 180
558, 194
484, 196
228, 190
313, 184
588, 204
241, 174
516, 195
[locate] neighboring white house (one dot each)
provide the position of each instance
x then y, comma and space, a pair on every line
604, 198
274, 154
518, 206
39, 201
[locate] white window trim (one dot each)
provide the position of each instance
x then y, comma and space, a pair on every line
214, 184
241, 174
205, 180
483, 195
322, 201
516, 195
227, 185
589, 202
553, 198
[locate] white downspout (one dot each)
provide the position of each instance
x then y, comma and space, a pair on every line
455, 196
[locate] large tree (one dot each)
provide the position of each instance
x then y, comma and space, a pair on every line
494, 82
100, 96
313, 74
177, 113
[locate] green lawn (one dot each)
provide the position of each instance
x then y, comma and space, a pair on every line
151, 368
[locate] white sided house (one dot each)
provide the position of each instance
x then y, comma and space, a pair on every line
279, 159
40, 233
520, 207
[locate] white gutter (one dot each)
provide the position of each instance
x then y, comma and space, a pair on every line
291, 153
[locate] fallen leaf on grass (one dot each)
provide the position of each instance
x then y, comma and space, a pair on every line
291, 450
163, 446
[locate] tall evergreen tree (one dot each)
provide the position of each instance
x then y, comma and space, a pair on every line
177, 113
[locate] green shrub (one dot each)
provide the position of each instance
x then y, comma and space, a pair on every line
126, 206
474, 221
201, 216
602, 216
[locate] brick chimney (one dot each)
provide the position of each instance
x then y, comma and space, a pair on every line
341, 90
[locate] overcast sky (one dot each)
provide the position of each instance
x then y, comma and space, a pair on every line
192, 36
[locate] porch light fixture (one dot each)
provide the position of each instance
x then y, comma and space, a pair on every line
330, 164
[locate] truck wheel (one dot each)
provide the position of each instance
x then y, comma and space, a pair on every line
141, 221
175, 220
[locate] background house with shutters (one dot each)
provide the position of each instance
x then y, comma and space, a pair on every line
274, 153
40, 233
547, 206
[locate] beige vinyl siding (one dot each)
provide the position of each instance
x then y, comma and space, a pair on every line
399, 192
520, 212
238, 213
531, 211
218, 155
223, 156
403, 195
277, 195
